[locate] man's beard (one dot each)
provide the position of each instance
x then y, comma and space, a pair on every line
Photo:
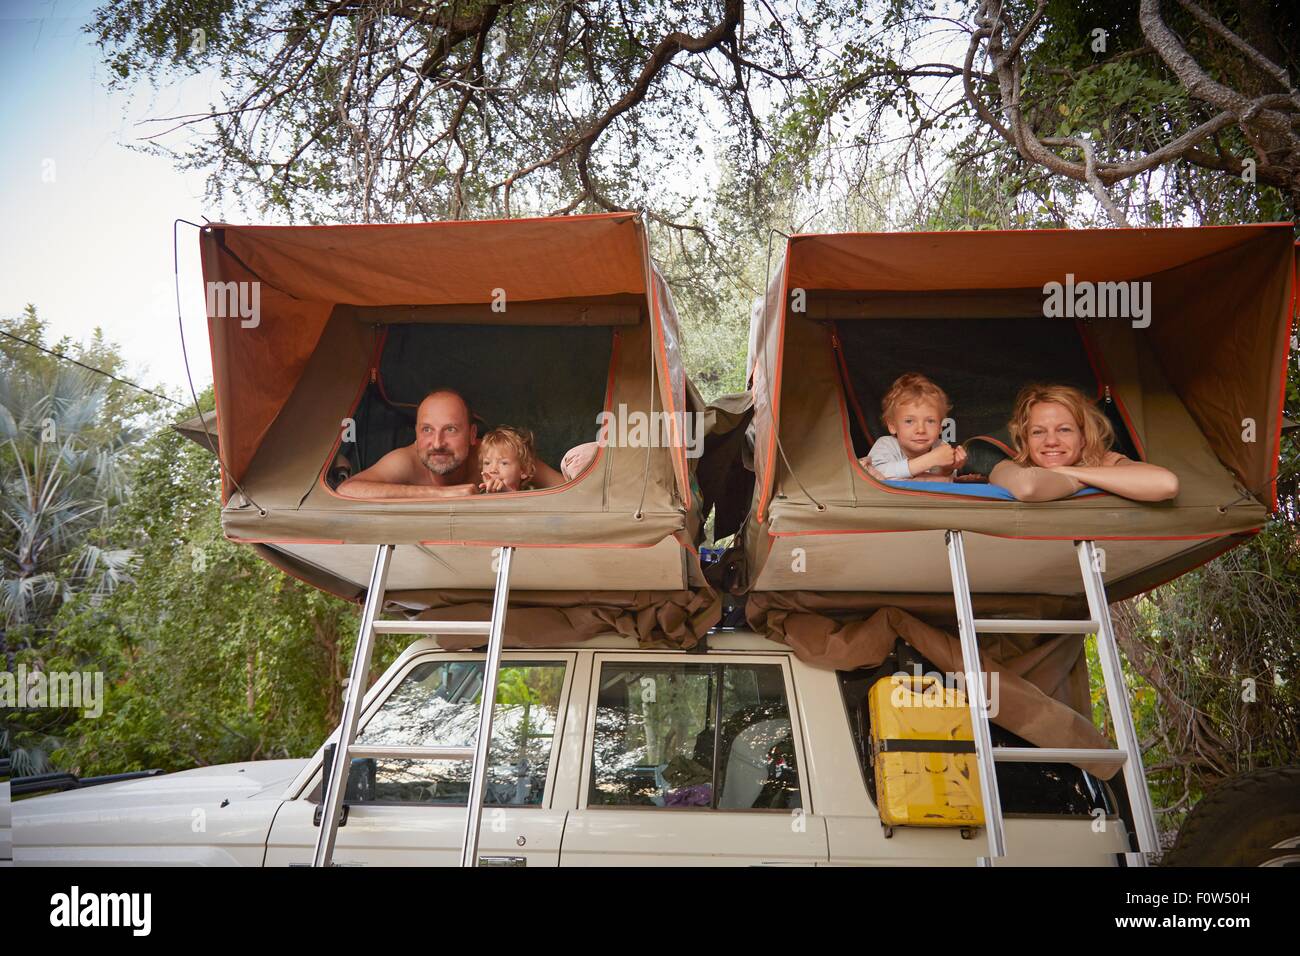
448, 463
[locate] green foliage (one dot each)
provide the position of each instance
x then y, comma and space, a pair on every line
473, 94
67, 440
212, 655
114, 562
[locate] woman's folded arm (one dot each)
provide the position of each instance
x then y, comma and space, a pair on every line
1033, 483
1138, 480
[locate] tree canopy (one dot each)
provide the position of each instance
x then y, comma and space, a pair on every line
381, 110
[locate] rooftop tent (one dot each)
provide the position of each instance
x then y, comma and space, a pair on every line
841, 567
542, 323
1199, 390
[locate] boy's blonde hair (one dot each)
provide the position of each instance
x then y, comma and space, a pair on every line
911, 388
519, 441
1098, 435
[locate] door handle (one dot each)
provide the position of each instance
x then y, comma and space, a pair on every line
502, 861
320, 811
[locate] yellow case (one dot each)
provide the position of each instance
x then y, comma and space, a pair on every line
923, 788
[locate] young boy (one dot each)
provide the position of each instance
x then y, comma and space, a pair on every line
913, 411
507, 460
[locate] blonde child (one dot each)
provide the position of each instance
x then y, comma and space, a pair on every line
913, 410
507, 460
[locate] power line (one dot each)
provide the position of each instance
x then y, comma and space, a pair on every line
89, 368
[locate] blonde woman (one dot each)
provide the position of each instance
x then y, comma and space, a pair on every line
1062, 444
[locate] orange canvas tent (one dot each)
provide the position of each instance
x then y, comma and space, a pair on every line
325, 338
1196, 385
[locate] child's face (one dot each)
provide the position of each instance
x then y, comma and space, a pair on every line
500, 462
916, 425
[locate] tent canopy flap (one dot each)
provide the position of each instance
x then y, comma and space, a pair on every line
445, 263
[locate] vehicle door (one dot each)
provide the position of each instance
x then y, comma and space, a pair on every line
693, 761
404, 812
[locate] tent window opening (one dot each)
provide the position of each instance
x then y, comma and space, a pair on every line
551, 380
980, 363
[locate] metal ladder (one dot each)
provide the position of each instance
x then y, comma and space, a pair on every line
1128, 753
345, 746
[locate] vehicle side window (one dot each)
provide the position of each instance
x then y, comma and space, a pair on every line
437, 705
712, 736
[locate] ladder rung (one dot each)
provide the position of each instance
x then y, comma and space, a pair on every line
986, 625
410, 753
432, 627
1057, 755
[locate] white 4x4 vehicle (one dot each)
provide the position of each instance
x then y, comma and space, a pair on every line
602, 754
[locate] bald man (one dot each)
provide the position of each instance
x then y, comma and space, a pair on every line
442, 462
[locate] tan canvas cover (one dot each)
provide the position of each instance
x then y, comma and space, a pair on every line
1213, 356
671, 619
1041, 691
286, 382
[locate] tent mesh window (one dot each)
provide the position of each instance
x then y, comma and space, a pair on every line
551, 380
980, 363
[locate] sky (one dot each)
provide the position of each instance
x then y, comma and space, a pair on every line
88, 237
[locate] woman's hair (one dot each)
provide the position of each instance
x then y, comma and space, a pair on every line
1098, 435
519, 441
912, 388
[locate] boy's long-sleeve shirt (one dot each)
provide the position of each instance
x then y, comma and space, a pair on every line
887, 457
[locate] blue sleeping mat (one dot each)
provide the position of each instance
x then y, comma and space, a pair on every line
971, 489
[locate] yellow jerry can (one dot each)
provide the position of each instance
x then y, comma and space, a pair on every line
923, 753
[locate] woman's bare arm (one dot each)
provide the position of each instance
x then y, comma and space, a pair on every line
1033, 483
1132, 479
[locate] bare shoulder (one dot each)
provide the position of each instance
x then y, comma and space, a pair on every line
1115, 458
399, 466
